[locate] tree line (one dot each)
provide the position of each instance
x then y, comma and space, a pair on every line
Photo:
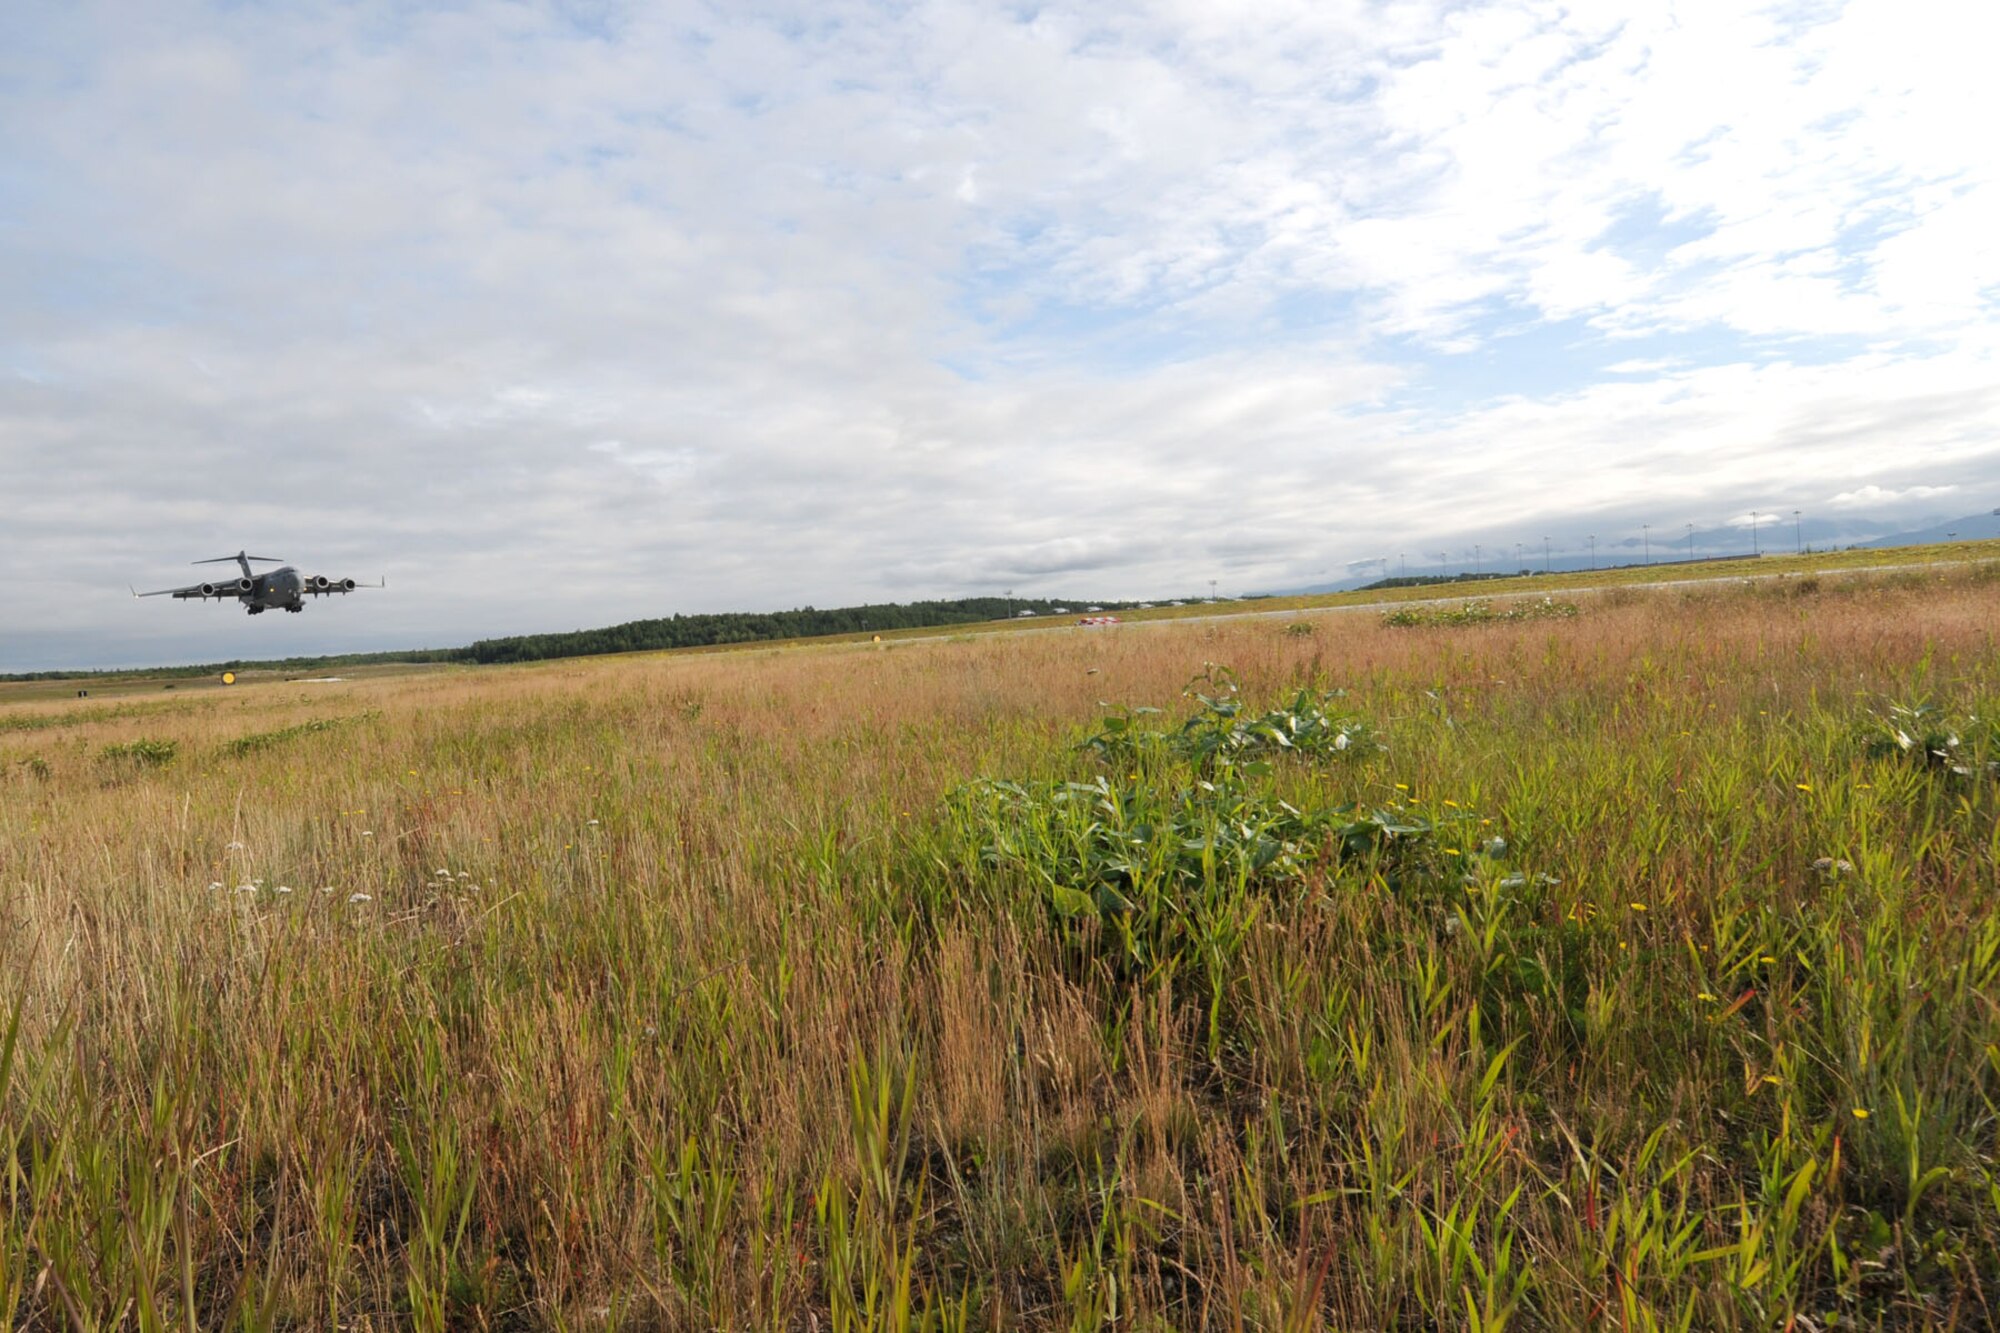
695, 631
703, 631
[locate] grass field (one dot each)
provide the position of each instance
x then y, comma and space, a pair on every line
1665, 571
1633, 969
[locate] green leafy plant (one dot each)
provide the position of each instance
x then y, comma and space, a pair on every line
1925, 736
1179, 851
1478, 613
1309, 726
264, 740
146, 753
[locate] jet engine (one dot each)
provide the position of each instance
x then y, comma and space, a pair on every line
347, 584
321, 582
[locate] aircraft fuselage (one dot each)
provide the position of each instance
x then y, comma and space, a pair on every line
277, 588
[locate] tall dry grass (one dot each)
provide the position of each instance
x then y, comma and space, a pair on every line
676, 992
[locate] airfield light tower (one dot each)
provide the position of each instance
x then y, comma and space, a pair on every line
1517, 555
1403, 561
1593, 550
1211, 590
1478, 560
1545, 553
1753, 534
1798, 535
1646, 540
1010, 603
1690, 543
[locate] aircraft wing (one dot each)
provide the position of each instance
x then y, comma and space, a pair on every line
199, 591
319, 585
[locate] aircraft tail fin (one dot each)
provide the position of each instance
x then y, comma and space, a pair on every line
240, 558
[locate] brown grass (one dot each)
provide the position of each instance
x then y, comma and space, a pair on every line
607, 1027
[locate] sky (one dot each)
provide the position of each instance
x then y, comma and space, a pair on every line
565, 314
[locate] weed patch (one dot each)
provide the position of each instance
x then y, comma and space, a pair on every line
264, 740
1478, 613
1173, 857
141, 753
1928, 738
1221, 735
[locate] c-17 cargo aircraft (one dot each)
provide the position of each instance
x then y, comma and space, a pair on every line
283, 587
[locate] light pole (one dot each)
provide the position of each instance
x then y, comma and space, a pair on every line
1010, 603
1753, 534
1545, 553
1690, 543
1211, 590
1477, 560
1442, 557
1517, 557
1646, 540
1404, 561
1798, 535
1593, 550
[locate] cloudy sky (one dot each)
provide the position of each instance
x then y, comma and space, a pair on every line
565, 314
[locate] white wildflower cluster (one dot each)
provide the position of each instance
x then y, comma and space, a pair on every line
457, 880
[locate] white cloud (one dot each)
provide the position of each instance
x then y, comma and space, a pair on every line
704, 307
1875, 496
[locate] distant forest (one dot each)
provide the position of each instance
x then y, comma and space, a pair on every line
700, 631
739, 627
